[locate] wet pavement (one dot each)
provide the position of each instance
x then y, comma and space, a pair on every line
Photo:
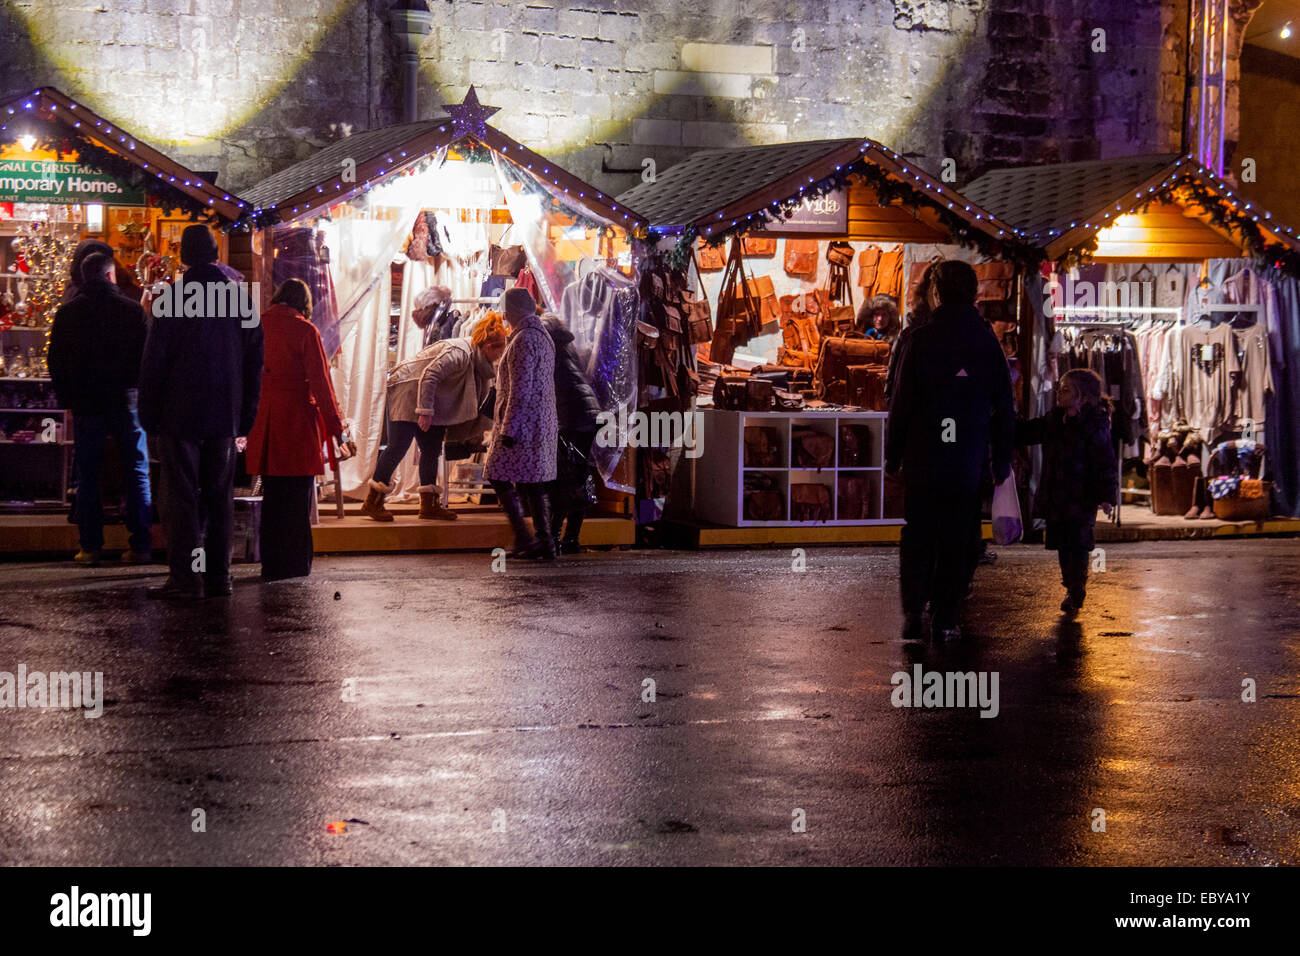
444, 713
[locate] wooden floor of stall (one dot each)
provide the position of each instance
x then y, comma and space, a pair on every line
477, 529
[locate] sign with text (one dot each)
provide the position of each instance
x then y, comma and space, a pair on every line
64, 183
828, 213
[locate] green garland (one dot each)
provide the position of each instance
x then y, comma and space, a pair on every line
1272, 258
888, 189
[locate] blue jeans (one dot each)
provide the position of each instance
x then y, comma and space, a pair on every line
90, 432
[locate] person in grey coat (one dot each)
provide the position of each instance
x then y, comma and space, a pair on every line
429, 396
521, 458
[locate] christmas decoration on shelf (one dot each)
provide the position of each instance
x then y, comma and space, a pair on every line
49, 258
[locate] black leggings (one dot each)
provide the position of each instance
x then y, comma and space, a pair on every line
1074, 572
400, 436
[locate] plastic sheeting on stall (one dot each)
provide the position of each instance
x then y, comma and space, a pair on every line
597, 303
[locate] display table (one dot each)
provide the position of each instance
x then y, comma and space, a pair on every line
858, 453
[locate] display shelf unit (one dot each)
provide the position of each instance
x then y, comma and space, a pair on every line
28, 466
721, 468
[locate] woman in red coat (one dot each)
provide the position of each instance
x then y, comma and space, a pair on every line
297, 412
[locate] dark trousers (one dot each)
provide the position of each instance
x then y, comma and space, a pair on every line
285, 534
400, 436
199, 508
934, 557
133, 448
1074, 572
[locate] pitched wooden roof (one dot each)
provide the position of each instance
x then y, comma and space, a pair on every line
1060, 207
79, 122
315, 182
716, 188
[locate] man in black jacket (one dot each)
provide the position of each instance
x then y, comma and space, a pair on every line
94, 356
199, 388
952, 402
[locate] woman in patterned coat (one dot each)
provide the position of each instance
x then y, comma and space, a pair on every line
522, 455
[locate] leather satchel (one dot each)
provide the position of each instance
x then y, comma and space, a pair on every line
759, 395
710, 258
855, 446
810, 448
994, 280
762, 447
801, 257
802, 342
762, 499
867, 386
837, 354
731, 392
868, 263
763, 246
855, 498
740, 312
810, 501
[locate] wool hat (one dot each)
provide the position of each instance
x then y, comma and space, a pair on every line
197, 246
518, 304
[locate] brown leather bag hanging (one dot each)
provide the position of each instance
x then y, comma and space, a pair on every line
801, 257
740, 313
837, 354
699, 316
994, 281
760, 246
710, 258
868, 262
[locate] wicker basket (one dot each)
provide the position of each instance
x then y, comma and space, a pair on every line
1234, 508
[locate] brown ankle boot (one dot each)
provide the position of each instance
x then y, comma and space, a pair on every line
430, 508
374, 503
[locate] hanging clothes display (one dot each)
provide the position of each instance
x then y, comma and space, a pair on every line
1111, 352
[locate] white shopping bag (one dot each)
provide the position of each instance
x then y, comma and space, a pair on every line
1007, 526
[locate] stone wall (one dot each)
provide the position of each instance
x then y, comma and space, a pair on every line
1270, 131
246, 86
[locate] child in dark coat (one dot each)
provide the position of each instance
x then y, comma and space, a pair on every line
1080, 473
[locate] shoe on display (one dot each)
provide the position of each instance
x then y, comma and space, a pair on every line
88, 558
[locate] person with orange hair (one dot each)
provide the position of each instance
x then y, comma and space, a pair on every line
441, 387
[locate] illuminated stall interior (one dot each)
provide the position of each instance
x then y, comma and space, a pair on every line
374, 220
68, 174
1160, 274
781, 215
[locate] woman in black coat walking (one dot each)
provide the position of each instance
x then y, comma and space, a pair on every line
575, 401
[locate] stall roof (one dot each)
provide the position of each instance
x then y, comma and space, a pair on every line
77, 122
1060, 207
317, 181
714, 188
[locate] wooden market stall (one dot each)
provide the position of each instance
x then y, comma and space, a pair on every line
1182, 293
69, 174
378, 218
823, 238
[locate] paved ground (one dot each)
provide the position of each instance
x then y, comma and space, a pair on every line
498, 718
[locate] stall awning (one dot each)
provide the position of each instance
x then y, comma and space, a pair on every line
57, 122
367, 158
1132, 204
718, 191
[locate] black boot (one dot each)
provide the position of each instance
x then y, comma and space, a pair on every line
541, 508
569, 543
512, 503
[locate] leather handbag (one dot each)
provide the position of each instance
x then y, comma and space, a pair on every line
762, 498
867, 386
762, 447
699, 316
868, 263
810, 448
801, 257
994, 280
801, 342
762, 246
837, 320
855, 499
839, 253
810, 501
710, 258
731, 392
837, 354
740, 312
855, 446
759, 395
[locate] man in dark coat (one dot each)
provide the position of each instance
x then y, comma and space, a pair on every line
951, 402
199, 388
95, 347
